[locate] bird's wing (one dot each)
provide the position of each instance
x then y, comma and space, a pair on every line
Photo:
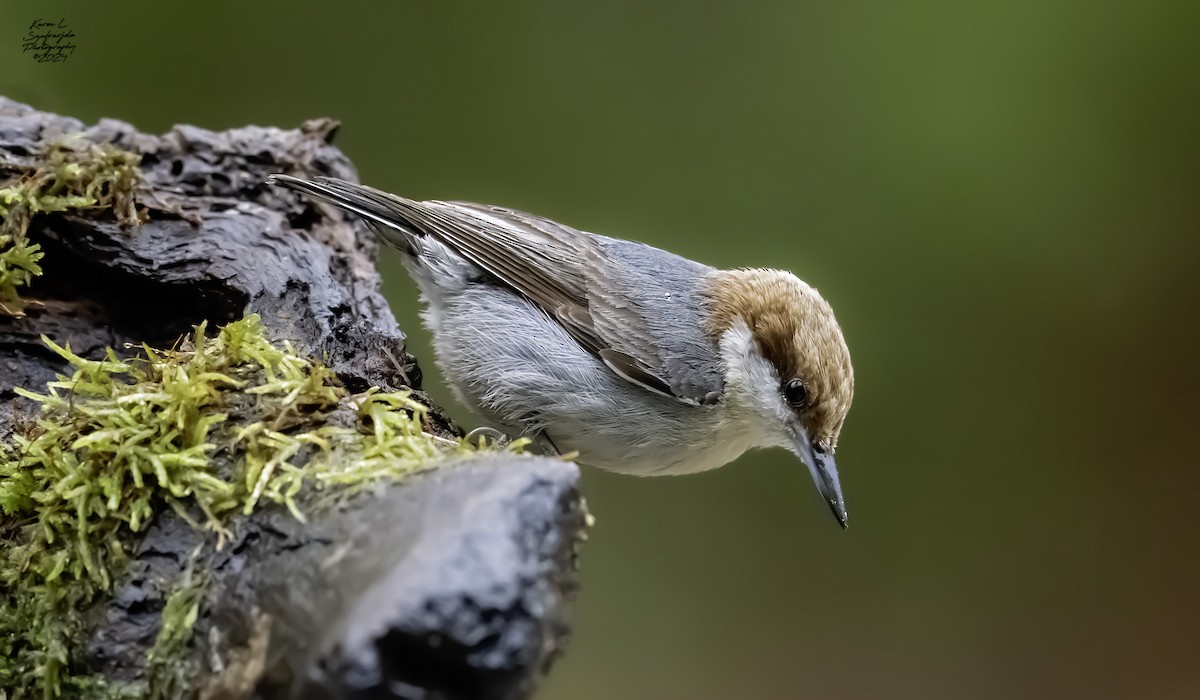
635, 307
539, 258
613, 297
649, 305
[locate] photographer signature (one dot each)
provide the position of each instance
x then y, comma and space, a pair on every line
49, 41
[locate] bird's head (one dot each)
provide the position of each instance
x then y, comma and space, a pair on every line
786, 365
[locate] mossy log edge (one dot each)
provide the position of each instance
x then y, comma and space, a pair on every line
451, 584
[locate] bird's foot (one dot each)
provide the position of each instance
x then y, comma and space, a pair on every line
545, 444
486, 433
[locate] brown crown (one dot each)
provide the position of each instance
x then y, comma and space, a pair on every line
795, 331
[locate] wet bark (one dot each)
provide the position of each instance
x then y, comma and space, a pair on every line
453, 584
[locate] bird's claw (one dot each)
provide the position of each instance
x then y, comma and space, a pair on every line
488, 433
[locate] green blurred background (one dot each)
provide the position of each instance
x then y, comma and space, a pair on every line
1001, 202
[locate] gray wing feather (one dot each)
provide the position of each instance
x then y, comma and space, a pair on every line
645, 301
633, 306
634, 370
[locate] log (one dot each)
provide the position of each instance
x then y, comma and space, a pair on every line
453, 583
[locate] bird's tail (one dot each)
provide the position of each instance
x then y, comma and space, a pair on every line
378, 208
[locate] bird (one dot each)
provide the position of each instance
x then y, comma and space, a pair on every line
638, 360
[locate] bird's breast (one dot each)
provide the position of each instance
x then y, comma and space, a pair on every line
682, 440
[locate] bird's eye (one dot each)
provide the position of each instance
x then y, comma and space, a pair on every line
796, 393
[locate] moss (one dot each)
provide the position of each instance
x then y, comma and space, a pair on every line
169, 670
213, 430
76, 174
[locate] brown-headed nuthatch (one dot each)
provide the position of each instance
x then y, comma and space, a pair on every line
640, 360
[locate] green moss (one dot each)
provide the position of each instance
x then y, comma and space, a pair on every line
169, 670
212, 430
76, 174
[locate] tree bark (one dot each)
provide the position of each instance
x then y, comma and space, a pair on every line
451, 584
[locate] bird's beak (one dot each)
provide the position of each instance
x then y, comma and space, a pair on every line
824, 474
